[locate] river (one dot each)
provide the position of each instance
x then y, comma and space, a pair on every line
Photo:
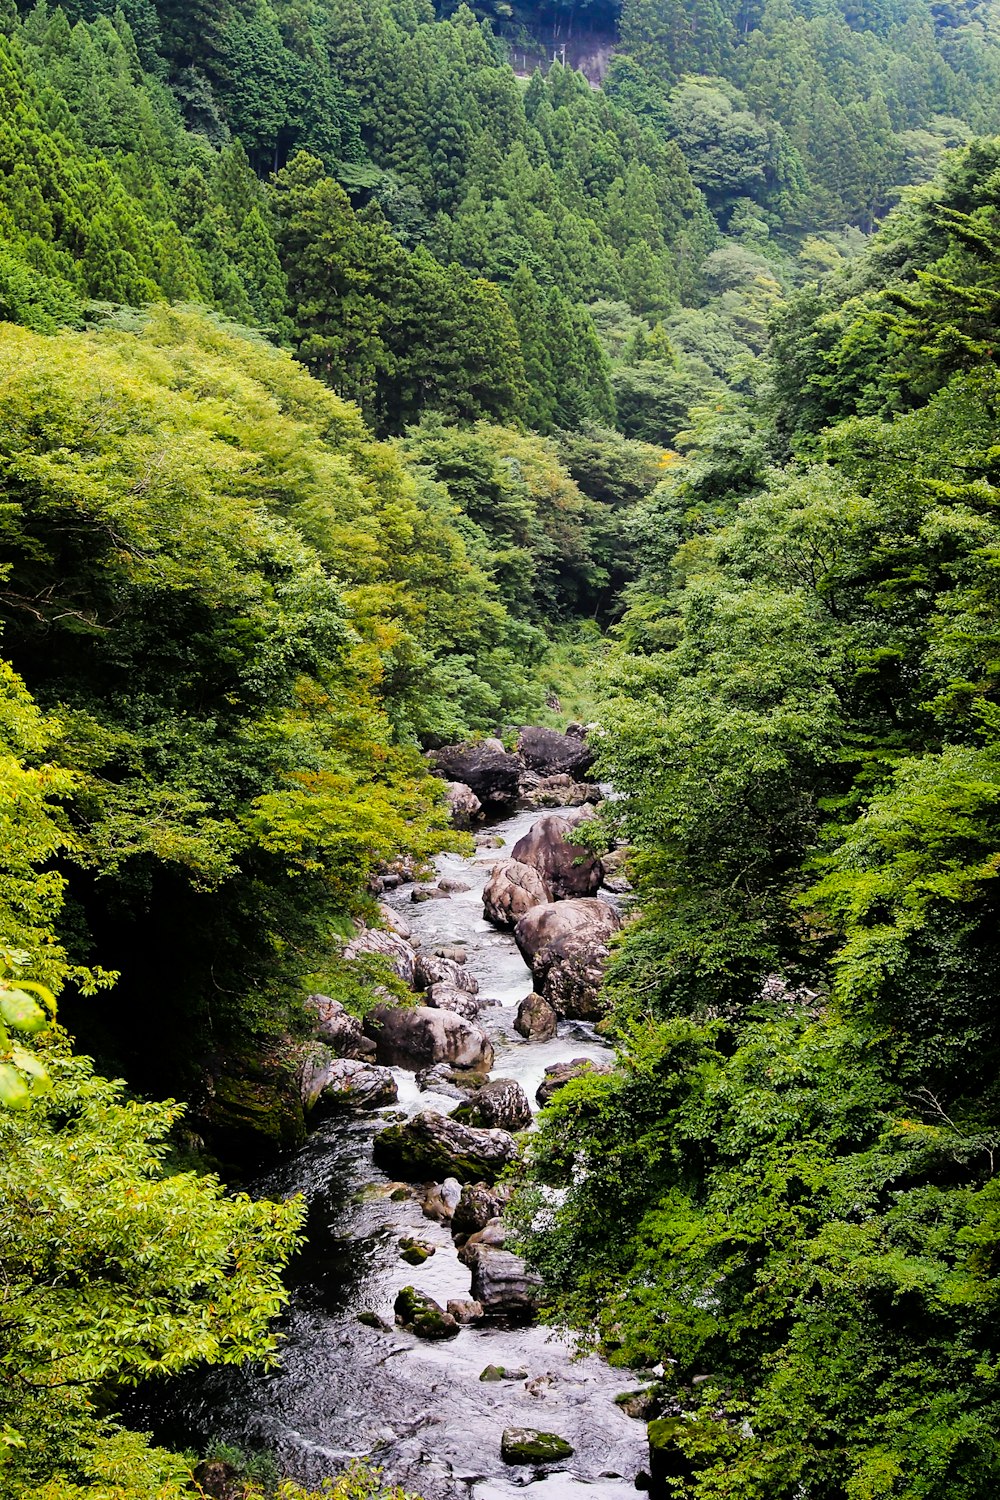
419, 1409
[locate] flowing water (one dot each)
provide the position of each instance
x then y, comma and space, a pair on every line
345, 1389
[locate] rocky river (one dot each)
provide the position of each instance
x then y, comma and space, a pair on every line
353, 1383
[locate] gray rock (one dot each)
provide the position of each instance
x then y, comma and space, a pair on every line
561, 791
493, 1234
536, 1019
437, 1146
478, 1205
336, 1027
502, 1283
500, 1104
453, 951
551, 753
466, 808
428, 893
452, 886
440, 1200
387, 945
512, 889
528, 1445
486, 768
566, 870
566, 945
420, 1314
449, 997
419, 1036
428, 969
465, 1310
349, 1084
557, 1075
500, 1372
453, 1083
395, 923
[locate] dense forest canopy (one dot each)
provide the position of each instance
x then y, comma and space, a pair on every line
350, 385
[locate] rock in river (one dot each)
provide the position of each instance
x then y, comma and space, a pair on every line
501, 1104
566, 869
491, 774
420, 1314
338, 1028
387, 945
417, 1037
526, 1445
348, 1084
553, 754
430, 969
450, 997
431, 1145
512, 889
557, 1075
536, 1019
466, 808
566, 945
478, 1204
502, 1282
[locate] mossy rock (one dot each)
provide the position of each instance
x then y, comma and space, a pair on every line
500, 1372
372, 1320
526, 1445
415, 1252
255, 1110
423, 1316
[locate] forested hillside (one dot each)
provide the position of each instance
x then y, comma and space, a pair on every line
354, 391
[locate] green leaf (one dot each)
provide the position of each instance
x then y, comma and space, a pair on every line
20, 1011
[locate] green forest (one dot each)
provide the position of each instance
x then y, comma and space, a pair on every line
361, 395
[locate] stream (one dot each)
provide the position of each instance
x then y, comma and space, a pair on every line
345, 1389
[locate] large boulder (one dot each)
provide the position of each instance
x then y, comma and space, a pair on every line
394, 921
478, 1204
500, 1104
429, 969
512, 889
561, 791
420, 1314
336, 1027
450, 997
431, 1145
387, 945
487, 769
349, 1084
529, 1445
419, 1036
566, 945
502, 1283
567, 871
536, 1019
552, 754
466, 808
557, 1075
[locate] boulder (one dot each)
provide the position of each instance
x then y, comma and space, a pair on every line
420, 1314
349, 1084
512, 889
336, 1027
453, 887
566, 945
466, 808
449, 997
561, 791
500, 1372
454, 951
536, 1019
428, 893
566, 870
453, 1083
493, 1234
428, 970
488, 771
414, 1252
500, 1104
440, 1200
465, 1310
395, 923
387, 945
557, 1075
552, 754
502, 1282
478, 1204
527, 1445
437, 1146
419, 1036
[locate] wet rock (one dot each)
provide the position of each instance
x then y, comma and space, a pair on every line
489, 841
434, 1145
349, 1084
557, 1075
420, 1314
501, 1104
387, 945
566, 945
642, 1404
454, 1083
415, 1252
465, 1309
453, 951
336, 1027
449, 997
536, 1019
395, 923
452, 886
486, 769
502, 1282
566, 870
440, 1200
512, 889
428, 893
552, 754
478, 1204
561, 791
527, 1445
493, 1234
371, 1319
428, 970
466, 808
419, 1036
500, 1372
